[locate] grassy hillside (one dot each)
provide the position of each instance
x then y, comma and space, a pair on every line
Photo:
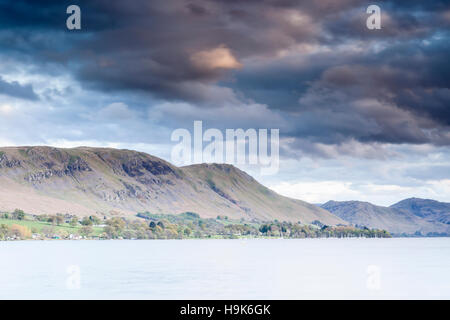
187, 225
253, 199
100, 181
40, 226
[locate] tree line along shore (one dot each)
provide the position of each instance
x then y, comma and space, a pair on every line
19, 225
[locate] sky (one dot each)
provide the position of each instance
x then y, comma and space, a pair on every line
362, 114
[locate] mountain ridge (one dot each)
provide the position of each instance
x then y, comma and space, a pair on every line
86, 180
429, 209
391, 219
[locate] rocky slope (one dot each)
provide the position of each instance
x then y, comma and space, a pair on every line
390, 219
82, 181
427, 209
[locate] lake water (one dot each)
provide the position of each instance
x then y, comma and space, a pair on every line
227, 269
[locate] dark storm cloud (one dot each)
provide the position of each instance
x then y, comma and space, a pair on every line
314, 62
404, 92
400, 20
148, 45
15, 89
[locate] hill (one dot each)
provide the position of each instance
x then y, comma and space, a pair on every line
390, 219
84, 181
430, 210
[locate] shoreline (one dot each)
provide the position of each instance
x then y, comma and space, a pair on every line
224, 238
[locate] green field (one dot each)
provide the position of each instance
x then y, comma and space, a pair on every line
36, 226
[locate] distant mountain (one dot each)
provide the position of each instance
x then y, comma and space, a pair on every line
83, 181
430, 210
391, 219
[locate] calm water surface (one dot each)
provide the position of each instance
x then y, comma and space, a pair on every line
227, 269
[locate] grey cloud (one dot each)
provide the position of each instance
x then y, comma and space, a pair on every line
312, 63
15, 89
430, 172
